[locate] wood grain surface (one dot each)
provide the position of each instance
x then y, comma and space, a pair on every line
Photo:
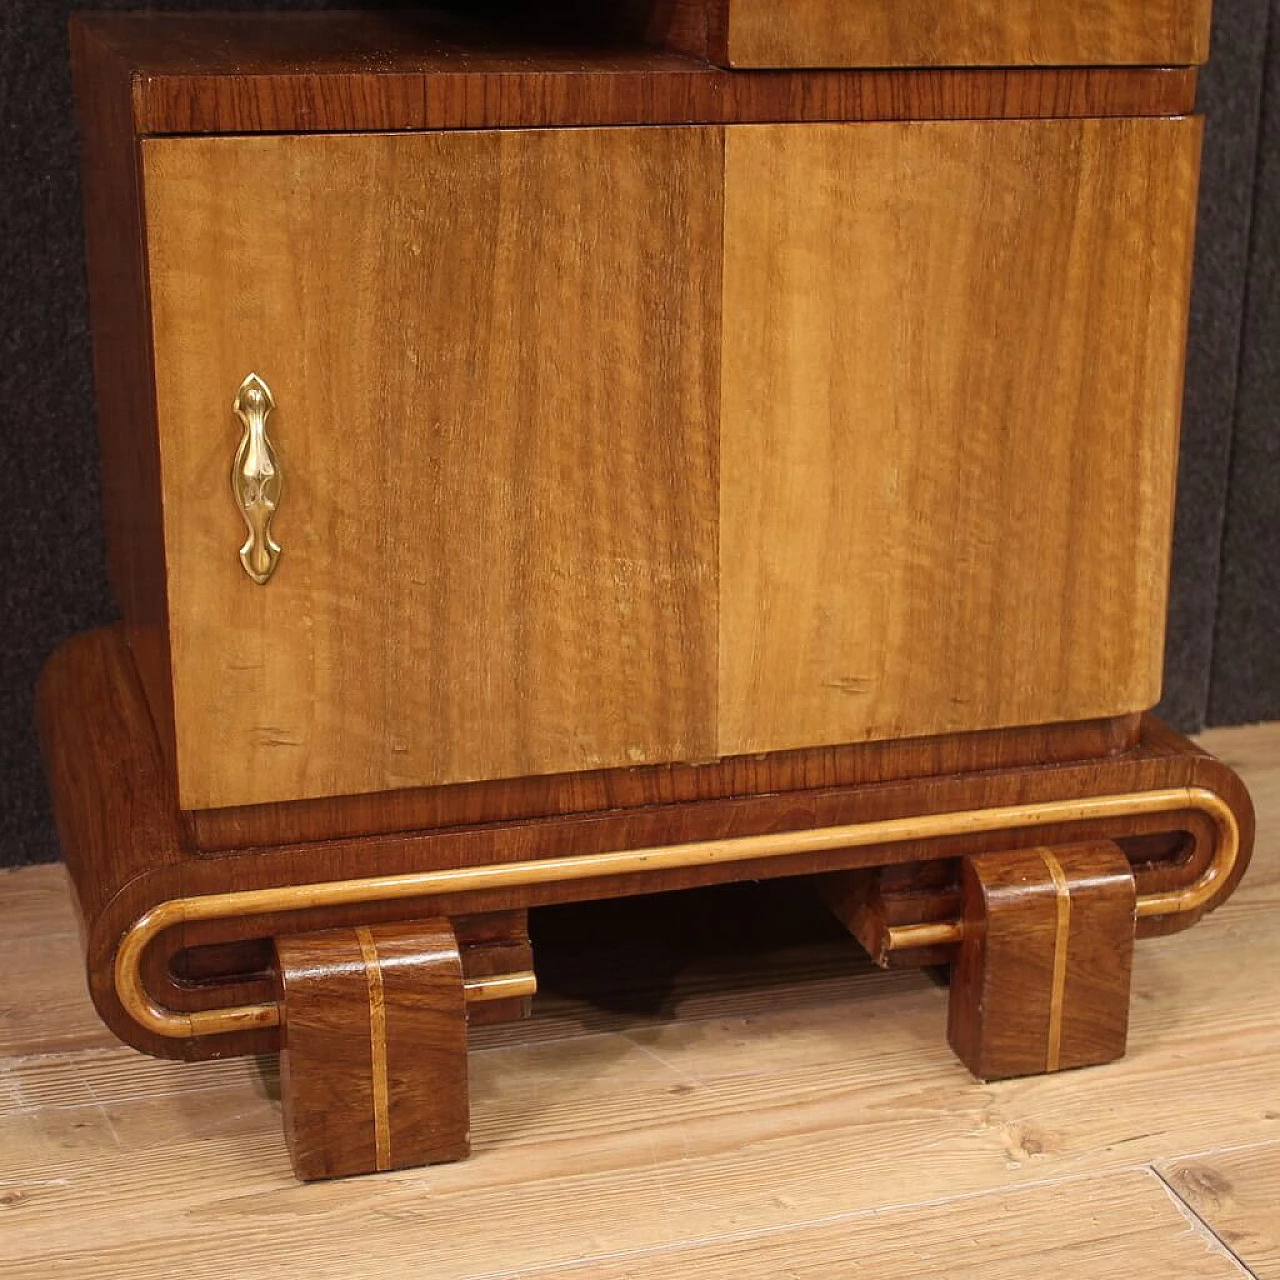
951, 393
129, 850
373, 1072
1105, 1226
1042, 979
266, 73
510, 799
731, 1101
1237, 1195
1038, 597
958, 33
622, 559
499, 512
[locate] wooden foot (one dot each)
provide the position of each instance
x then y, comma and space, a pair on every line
374, 1060
874, 900
1042, 978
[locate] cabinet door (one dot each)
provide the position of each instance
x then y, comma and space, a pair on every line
952, 380
494, 359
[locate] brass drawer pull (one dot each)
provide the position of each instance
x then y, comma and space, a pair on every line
256, 480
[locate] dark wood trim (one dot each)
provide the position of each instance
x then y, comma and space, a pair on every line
120, 313
1041, 982
507, 800
194, 73
644, 96
373, 1068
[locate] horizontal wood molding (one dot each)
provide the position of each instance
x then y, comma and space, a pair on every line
271, 73
658, 95
510, 799
699, 859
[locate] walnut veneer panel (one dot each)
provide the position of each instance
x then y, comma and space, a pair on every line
924, 33
951, 388
495, 359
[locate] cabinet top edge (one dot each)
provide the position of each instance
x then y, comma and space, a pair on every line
339, 72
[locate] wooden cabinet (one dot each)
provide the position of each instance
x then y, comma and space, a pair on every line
605, 447
537, 472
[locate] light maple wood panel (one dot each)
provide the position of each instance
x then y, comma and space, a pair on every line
495, 361
45, 1003
951, 389
924, 33
1237, 1193
1108, 1228
46, 1009
35, 902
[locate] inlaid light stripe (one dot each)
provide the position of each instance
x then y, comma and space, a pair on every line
378, 1048
1062, 891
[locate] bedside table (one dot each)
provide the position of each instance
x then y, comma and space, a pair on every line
545, 470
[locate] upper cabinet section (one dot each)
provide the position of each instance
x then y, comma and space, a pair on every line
912, 34
957, 33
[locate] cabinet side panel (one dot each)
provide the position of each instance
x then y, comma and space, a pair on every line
966, 33
495, 360
952, 375
122, 362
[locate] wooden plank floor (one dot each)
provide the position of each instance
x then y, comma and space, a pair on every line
763, 1106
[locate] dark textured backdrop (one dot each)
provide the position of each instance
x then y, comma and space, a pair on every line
1224, 654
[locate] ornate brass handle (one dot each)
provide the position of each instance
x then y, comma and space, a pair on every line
256, 480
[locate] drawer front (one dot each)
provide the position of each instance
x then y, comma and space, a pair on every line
494, 363
949, 427
963, 33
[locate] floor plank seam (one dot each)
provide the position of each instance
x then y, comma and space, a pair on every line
685, 1075
1227, 1150
1201, 1227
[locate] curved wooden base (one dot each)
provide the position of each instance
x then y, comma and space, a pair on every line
209, 934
